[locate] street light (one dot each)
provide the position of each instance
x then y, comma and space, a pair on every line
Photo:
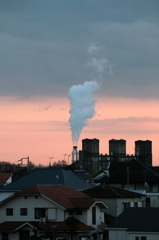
64, 156
68, 158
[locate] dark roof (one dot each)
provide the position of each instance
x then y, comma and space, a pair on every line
138, 173
60, 226
82, 174
155, 169
66, 197
107, 191
47, 176
138, 220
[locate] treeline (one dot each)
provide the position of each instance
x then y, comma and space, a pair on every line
19, 170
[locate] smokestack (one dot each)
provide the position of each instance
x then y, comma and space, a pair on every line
74, 154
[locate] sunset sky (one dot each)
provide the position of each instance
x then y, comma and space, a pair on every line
45, 50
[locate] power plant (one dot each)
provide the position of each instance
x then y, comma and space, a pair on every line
90, 159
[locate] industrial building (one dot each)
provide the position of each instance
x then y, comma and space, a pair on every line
91, 160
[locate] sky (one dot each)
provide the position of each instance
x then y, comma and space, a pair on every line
49, 48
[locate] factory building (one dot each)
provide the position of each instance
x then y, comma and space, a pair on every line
89, 156
91, 160
117, 149
143, 152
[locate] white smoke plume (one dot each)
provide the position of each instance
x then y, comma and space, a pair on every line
82, 106
97, 65
82, 96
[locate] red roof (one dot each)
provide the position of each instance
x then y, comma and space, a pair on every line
62, 195
4, 177
60, 226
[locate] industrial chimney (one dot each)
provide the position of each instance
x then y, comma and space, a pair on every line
74, 154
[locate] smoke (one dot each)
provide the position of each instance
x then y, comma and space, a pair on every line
96, 64
82, 106
82, 96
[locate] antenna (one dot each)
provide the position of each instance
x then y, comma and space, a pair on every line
28, 163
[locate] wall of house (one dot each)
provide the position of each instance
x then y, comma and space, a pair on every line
99, 216
116, 207
82, 218
30, 203
86, 216
112, 204
154, 199
149, 236
117, 235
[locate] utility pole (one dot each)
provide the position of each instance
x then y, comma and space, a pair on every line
68, 158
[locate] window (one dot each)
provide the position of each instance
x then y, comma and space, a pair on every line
147, 202
136, 238
23, 211
78, 212
126, 205
36, 197
93, 215
5, 236
52, 213
70, 212
143, 238
135, 204
39, 213
9, 211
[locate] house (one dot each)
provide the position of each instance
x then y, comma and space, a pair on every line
44, 176
135, 224
116, 199
51, 210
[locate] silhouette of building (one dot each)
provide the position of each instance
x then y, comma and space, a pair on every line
89, 156
117, 149
91, 160
143, 151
